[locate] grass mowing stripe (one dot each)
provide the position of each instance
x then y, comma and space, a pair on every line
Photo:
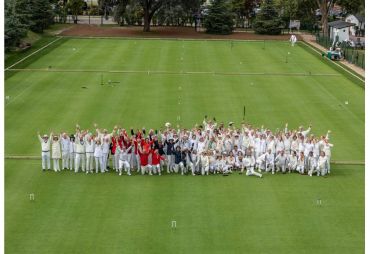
33, 53
175, 72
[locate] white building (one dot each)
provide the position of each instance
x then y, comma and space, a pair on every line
359, 21
340, 28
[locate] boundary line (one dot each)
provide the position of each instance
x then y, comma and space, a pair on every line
177, 72
168, 38
337, 64
37, 157
47, 45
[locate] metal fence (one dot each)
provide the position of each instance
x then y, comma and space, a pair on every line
352, 55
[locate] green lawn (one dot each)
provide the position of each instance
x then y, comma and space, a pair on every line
97, 214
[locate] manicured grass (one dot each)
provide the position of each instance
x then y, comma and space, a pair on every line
105, 213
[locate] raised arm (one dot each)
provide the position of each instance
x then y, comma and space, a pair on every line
39, 137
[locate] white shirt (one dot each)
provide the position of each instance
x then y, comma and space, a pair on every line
45, 146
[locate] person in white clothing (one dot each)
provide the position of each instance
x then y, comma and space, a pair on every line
249, 163
45, 150
301, 163
311, 164
56, 153
327, 150
89, 150
105, 150
65, 142
98, 155
293, 40
292, 162
80, 153
204, 162
72, 152
124, 159
322, 164
281, 162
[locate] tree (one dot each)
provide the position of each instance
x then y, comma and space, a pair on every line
41, 15
325, 6
288, 9
307, 14
150, 7
75, 7
15, 29
119, 11
220, 18
244, 8
268, 20
352, 6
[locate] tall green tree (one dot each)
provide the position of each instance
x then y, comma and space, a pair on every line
307, 14
244, 8
150, 7
325, 6
268, 20
15, 27
288, 9
75, 7
42, 15
220, 18
119, 11
352, 6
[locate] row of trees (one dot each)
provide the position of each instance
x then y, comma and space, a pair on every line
219, 17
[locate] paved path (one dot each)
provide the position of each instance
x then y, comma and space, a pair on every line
311, 39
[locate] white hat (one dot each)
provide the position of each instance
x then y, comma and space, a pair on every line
45, 136
167, 124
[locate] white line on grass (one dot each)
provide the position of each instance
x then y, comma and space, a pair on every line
47, 45
314, 49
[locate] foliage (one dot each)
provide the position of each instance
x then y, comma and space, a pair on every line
119, 11
42, 15
268, 20
220, 18
15, 27
75, 7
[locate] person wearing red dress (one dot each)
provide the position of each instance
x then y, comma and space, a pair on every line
144, 160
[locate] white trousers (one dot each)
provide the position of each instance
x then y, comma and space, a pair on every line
89, 162
65, 160
80, 160
135, 161
250, 172
56, 165
146, 169
116, 161
170, 162
156, 169
179, 166
105, 161
124, 165
72, 160
291, 167
205, 170
45, 156
300, 169
313, 170
99, 164
281, 166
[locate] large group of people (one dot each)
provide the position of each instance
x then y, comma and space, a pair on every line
210, 148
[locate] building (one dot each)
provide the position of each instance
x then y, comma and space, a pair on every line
341, 29
359, 28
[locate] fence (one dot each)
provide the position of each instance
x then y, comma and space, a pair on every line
352, 55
